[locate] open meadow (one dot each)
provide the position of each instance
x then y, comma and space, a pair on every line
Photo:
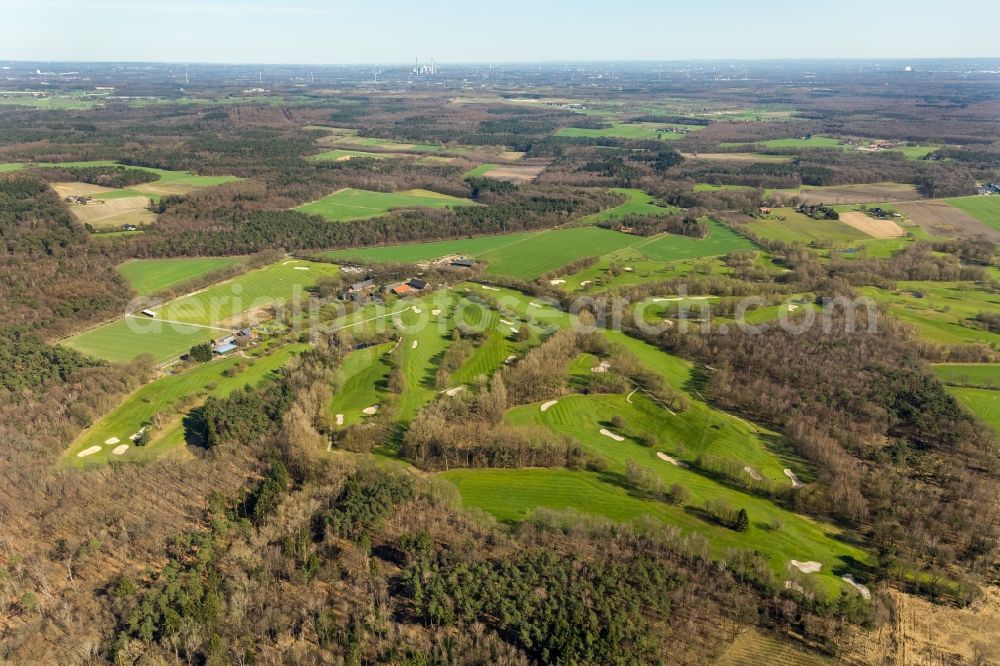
352, 204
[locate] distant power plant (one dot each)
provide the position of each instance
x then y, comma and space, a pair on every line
424, 69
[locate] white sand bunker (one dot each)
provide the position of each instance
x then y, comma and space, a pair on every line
701, 298
670, 459
111, 440
754, 474
795, 480
535, 305
665, 298
586, 282
454, 391
513, 329
546, 405
340, 419
118, 450
601, 367
608, 433
555, 282
414, 345
792, 307
416, 309
88, 452
506, 323
489, 288
862, 589
136, 435
290, 261
300, 268
370, 410
807, 567
629, 269
510, 359
435, 312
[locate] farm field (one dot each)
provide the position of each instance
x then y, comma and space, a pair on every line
480, 170
708, 187
415, 252
852, 194
984, 403
640, 131
339, 155
352, 204
148, 276
790, 226
671, 247
737, 157
109, 208
938, 218
979, 375
637, 203
986, 209
165, 402
791, 143
548, 250
341, 137
516, 173
210, 313
871, 226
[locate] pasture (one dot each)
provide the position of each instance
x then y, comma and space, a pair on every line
790, 226
352, 204
480, 170
198, 317
547, 250
938, 218
417, 252
790, 143
108, 208
148, 276
671, 247
636, 202
341, 155
636, 131
978, 375
986, 209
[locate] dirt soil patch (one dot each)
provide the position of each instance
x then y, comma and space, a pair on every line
874, 227
940, 219
521, 173
105, 214
79, 189
855, 194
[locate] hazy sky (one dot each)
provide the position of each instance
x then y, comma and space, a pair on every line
389, 31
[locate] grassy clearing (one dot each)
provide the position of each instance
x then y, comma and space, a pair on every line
708, 187
984, 209
637, 203
548, 250
339, 155
352, 204
669, 247
414, 252
785, 224
170, 398
198, 317
791, 143
981, 375
984, 403
638, 131
480, 170
940, 311
148, 276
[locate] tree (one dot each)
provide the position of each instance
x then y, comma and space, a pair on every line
742, 523
201, 353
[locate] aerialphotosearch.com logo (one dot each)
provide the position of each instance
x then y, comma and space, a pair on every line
479, 308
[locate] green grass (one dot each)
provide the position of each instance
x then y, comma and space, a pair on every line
811, 142
480, 170
669, 247
414, 252
708, 187
637, 203
984, 403
785, 224
361, 378
638, 131
544, 251
914, 152
339, 154
148, 276
985, 209
198, 316
170, 397
352, 204
942, 312
58, 101
981, 375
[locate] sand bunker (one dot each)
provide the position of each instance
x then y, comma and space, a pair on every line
807, 567
513, 329
489, 288
628, 269
370, 410
608, 433
136, 435
586, 282
290, 261
510, 359
673, 461
112, 440
340, 419
300, 268
555, 282
601, 367
506, 323
118, 450
88, 452
670, 298
416, 309
546, 405
454, 391
792, 307
435, 312
535, 305
795, 479
863, 589
414, 345
753, 473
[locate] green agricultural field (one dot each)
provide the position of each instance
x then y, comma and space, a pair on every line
480, 170
59, 101
414, 252
708, 187
6, 167
984, 403
169, 399
984, 209
670, 247
148, 276
352, 204
979, 375
913, 152
339, 154
201, 316
800, 142
785, 224
349, 137
637, 203
639, 131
